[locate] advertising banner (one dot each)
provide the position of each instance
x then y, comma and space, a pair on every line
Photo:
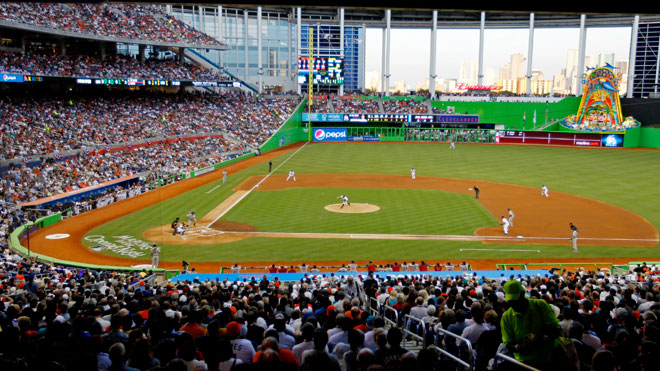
11, 77
330, 134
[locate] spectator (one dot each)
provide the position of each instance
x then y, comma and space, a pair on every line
529, 327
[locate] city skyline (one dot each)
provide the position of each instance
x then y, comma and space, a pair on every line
410, 53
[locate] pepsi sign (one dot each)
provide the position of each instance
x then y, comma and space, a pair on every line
11, 77
330, 134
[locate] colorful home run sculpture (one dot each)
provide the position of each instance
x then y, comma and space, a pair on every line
600, 108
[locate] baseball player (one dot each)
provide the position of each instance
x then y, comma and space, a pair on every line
181, 228
192, 219
224, 176
505, 225
544, 191
452, 145
292, 174
413, 173
574, 236
511, 216
175, 224
476, 192
344, 201
155, 253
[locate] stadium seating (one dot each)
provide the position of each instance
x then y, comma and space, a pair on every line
116, 66
125, 21
407, 322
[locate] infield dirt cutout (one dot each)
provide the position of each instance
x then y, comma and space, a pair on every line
540, 220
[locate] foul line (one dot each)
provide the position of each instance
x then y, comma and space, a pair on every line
437, 237
255, 186
213, 189
498, 250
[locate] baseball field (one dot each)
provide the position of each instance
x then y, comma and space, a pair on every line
257, 218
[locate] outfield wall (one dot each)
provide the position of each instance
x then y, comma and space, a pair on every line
511, 114
290, 132
649, 138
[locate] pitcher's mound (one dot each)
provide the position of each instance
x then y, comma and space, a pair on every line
353, 208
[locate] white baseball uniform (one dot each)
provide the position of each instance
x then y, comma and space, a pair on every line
292, 174
511, 216
413, 173
224, 176
345, 201
574, 238
544, 191
505, 225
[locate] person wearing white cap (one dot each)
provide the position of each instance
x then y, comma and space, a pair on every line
155, 255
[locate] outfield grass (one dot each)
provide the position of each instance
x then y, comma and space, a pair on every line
626, 178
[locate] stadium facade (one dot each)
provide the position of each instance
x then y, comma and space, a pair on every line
277, 45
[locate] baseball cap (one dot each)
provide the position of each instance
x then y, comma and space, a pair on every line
233, 328
512, 290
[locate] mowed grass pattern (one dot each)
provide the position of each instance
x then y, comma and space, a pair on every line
626, 178
403, 211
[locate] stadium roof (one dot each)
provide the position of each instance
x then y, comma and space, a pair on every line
418, 14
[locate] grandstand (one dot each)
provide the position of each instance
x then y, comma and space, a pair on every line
115, 117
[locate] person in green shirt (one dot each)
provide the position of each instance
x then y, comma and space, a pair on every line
529, 327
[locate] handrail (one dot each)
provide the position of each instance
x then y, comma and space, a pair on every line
394, 323
408, 318
374, 310
464, 340
514, 361
454, 358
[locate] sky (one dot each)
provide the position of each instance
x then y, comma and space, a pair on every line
410, 49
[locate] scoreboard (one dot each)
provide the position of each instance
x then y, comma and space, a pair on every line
326, 71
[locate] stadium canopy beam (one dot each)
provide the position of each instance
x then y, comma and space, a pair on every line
482, 27
298, 36
260, 67
341, 43
388, 20
245, 42
581, 52
220, 28
530, 53
633, 54
432, 75
382, 64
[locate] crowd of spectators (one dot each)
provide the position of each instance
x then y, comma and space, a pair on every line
63, 318
406, 106
320, 104
21, 183
355, 105
113, 66
44, 125
118, 20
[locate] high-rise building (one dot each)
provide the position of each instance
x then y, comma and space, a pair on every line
571, 70
605, 58
517, 68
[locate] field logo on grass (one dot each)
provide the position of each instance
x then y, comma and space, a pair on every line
329, 134
123, 245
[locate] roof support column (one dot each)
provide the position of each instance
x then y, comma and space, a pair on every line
260, 67
581, 51
432, 75
482, 29
388, 21
341, 44
530, 53
633, 55
298, 29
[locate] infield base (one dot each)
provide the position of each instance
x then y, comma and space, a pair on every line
354, 208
